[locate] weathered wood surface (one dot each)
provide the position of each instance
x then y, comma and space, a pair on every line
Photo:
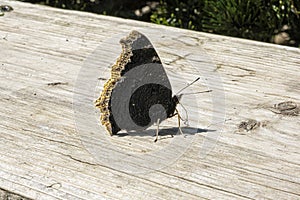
6, 195
43, 156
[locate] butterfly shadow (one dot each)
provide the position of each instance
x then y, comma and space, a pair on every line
167, 132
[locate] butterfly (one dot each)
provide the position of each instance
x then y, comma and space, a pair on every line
138, 93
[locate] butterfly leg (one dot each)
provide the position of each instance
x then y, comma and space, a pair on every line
173, 115
179, 118
157, 130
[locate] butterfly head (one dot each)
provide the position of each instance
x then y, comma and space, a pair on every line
176, 99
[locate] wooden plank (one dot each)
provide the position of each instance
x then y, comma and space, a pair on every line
8, 195
44, 155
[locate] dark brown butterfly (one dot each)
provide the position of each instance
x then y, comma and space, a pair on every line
138, 93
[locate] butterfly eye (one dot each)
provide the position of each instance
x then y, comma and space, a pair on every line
175, 99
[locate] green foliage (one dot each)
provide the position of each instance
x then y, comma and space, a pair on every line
179, 13
120, 8
82, 5
251, 19
288, 11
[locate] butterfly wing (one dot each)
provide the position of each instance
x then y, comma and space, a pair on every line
139, 91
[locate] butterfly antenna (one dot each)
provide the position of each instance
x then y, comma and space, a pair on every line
197, 79
196, 92
186, 121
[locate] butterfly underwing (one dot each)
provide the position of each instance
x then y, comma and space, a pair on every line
138, 93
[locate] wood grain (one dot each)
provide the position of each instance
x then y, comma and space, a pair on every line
44, 156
